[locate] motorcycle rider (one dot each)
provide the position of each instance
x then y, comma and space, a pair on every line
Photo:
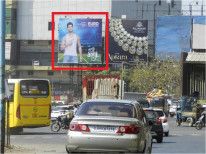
68, 117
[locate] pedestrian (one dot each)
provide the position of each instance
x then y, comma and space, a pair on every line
69, 44
75, 109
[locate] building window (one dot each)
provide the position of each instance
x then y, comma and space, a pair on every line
30, 41
50, 25
160, 2
50, 73
50, 42
30, 72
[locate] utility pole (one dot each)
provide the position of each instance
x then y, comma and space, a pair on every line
2, 75
202, 9
154, 31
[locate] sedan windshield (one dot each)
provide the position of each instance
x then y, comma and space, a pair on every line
107, 109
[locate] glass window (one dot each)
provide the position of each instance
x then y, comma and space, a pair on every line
156, 103
34, 88
50, 25
160, 113
107, 109
11, 90
150, 114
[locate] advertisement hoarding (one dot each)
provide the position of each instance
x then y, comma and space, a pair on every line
173, 35
128, 40
80, 41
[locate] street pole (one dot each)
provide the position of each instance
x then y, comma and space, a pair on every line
154, 31
122, 78
202, 9
190, 10
2, 70
168, 8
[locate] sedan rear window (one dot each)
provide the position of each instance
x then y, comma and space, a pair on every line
150, 114
160, 113
60, 108
107, 109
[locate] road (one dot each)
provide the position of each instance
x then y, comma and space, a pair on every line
181, 139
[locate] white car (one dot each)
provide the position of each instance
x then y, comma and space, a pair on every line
59, 110
163, 118
173, 108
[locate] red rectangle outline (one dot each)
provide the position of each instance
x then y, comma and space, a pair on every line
106, 42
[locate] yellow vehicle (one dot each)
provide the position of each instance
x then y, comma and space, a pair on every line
29, 103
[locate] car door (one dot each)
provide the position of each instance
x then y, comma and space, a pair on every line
142, 118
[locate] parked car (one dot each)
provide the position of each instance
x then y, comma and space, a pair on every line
59, 110
173, 107
156, 127
144, 103
109, 125
163, 118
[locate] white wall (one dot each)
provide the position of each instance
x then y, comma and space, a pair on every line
33, 15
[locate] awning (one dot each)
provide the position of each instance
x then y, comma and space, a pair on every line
196, 57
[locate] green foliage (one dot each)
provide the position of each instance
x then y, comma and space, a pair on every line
144, 77
164, 75
109, 71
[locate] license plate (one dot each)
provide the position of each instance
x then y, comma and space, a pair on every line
102, 129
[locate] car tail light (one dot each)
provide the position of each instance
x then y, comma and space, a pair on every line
128, 129
18, 114
77, 127
165, 120
84, 128
159, 121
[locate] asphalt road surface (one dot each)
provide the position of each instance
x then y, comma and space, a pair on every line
181, 139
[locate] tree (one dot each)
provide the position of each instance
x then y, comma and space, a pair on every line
162, 74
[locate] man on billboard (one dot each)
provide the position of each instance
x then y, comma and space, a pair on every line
69, 44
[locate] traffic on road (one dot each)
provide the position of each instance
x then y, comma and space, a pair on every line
113, 126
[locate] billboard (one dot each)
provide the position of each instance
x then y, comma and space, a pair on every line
80, 41
173, 34
128, 40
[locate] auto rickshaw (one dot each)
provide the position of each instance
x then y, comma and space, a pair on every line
189, 111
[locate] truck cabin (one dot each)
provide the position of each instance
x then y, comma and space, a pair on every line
157, 102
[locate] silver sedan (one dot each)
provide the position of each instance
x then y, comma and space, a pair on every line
109, 126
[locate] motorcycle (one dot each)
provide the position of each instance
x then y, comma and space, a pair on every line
201, 122
60, 122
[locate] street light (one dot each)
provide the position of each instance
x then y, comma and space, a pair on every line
191, 6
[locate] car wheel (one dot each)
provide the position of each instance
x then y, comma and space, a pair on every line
67, 150
167, 133
149, 149
159, 139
